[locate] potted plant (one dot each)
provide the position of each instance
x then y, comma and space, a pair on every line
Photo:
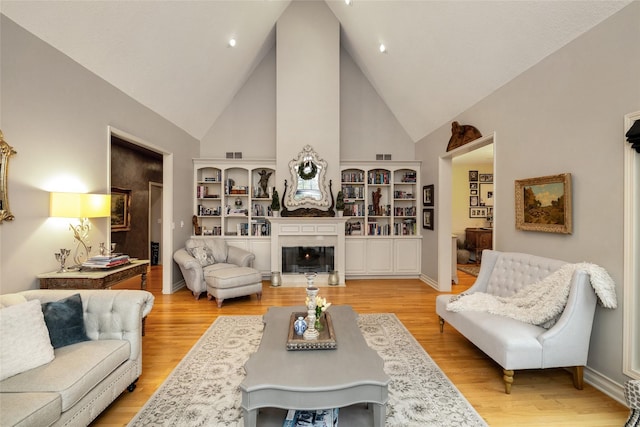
340, 203
275, 203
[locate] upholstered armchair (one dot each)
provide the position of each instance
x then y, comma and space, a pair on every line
206, 255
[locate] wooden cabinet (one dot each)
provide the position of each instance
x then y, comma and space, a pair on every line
479, 239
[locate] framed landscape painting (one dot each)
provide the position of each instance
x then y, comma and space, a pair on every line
544, 204
120, 209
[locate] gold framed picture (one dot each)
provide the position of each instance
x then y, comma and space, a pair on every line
120, 209
544, 204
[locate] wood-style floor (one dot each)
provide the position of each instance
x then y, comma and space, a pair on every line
538, 398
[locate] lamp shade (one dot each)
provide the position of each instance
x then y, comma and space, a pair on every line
79, 205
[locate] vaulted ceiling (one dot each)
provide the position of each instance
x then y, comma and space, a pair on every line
442, 56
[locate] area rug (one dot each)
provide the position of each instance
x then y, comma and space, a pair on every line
203, 390
471, 269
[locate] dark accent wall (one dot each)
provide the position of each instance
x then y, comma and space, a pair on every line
132, 168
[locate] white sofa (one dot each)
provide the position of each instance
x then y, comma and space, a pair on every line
202, 257
83, 378
514, 344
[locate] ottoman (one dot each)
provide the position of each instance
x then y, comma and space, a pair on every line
233, 282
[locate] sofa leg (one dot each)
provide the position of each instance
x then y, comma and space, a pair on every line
578, 375
259, 295
441, 324
132, 386
508, 380
219, 302
196, 295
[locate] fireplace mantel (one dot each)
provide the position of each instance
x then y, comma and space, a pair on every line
289, 231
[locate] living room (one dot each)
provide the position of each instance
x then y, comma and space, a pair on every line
563, 114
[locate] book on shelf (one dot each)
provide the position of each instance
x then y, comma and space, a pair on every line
106, 261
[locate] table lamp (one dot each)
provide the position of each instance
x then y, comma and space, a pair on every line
82, 206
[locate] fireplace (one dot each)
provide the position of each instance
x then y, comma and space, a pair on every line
318, 233
305, 259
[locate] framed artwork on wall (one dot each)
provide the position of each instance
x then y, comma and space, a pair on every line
473, 176
428, 219
479, 212
544, 204
428, 195
120, 209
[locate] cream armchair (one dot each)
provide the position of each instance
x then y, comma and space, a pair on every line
203, 256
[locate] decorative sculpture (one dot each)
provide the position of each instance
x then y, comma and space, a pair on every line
461, 135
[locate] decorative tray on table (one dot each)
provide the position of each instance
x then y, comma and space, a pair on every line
325, 341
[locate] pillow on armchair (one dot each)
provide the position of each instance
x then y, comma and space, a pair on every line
203, 254
208, 251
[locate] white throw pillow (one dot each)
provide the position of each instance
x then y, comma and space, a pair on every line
25, 339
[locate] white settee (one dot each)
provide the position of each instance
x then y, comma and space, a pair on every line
524, 338
78, 381
203, 256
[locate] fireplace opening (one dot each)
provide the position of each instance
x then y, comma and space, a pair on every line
305, 259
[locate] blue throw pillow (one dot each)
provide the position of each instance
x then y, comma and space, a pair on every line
64, 321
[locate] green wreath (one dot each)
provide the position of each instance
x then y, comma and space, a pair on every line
307, 175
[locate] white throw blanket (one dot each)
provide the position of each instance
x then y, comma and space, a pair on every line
540, 303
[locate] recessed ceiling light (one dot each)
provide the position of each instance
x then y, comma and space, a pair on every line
382, 48
347, 2
232, 42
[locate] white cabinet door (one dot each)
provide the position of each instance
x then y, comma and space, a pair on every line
356, 255
379, 255
407, 256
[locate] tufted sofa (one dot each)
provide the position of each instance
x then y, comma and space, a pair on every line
206, 257
81, 379
512, 343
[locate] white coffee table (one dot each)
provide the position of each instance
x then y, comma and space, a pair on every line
313, 379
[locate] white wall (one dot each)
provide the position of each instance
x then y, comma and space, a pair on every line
565, 114
56, 114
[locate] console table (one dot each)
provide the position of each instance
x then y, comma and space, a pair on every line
87, 278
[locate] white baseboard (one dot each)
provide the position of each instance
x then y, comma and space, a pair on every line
177, 286
429, 281
604, 384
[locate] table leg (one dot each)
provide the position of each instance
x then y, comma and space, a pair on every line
250, 417
143, 280
379, 417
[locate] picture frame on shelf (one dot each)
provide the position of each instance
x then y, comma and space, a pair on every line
478, 212
428, 219
428, 195
120, 209
544, 204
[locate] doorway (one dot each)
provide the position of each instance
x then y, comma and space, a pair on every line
446, 204
165, 239
155, 222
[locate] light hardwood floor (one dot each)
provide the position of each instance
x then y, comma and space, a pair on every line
538, 398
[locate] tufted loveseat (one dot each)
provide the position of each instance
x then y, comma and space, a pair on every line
514, 344
75, 382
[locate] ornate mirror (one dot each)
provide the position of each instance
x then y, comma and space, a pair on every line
308, 180
6, 151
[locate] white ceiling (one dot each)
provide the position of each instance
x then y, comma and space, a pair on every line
443, 56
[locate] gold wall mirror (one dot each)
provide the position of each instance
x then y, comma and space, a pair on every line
308, 185
6, 151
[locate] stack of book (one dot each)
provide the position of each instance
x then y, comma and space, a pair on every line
319, 418
106, 261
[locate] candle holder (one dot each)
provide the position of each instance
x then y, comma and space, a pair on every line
62, 259
310, 278
311, 333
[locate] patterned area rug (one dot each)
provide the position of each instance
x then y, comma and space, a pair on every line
203, 390
471, 269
